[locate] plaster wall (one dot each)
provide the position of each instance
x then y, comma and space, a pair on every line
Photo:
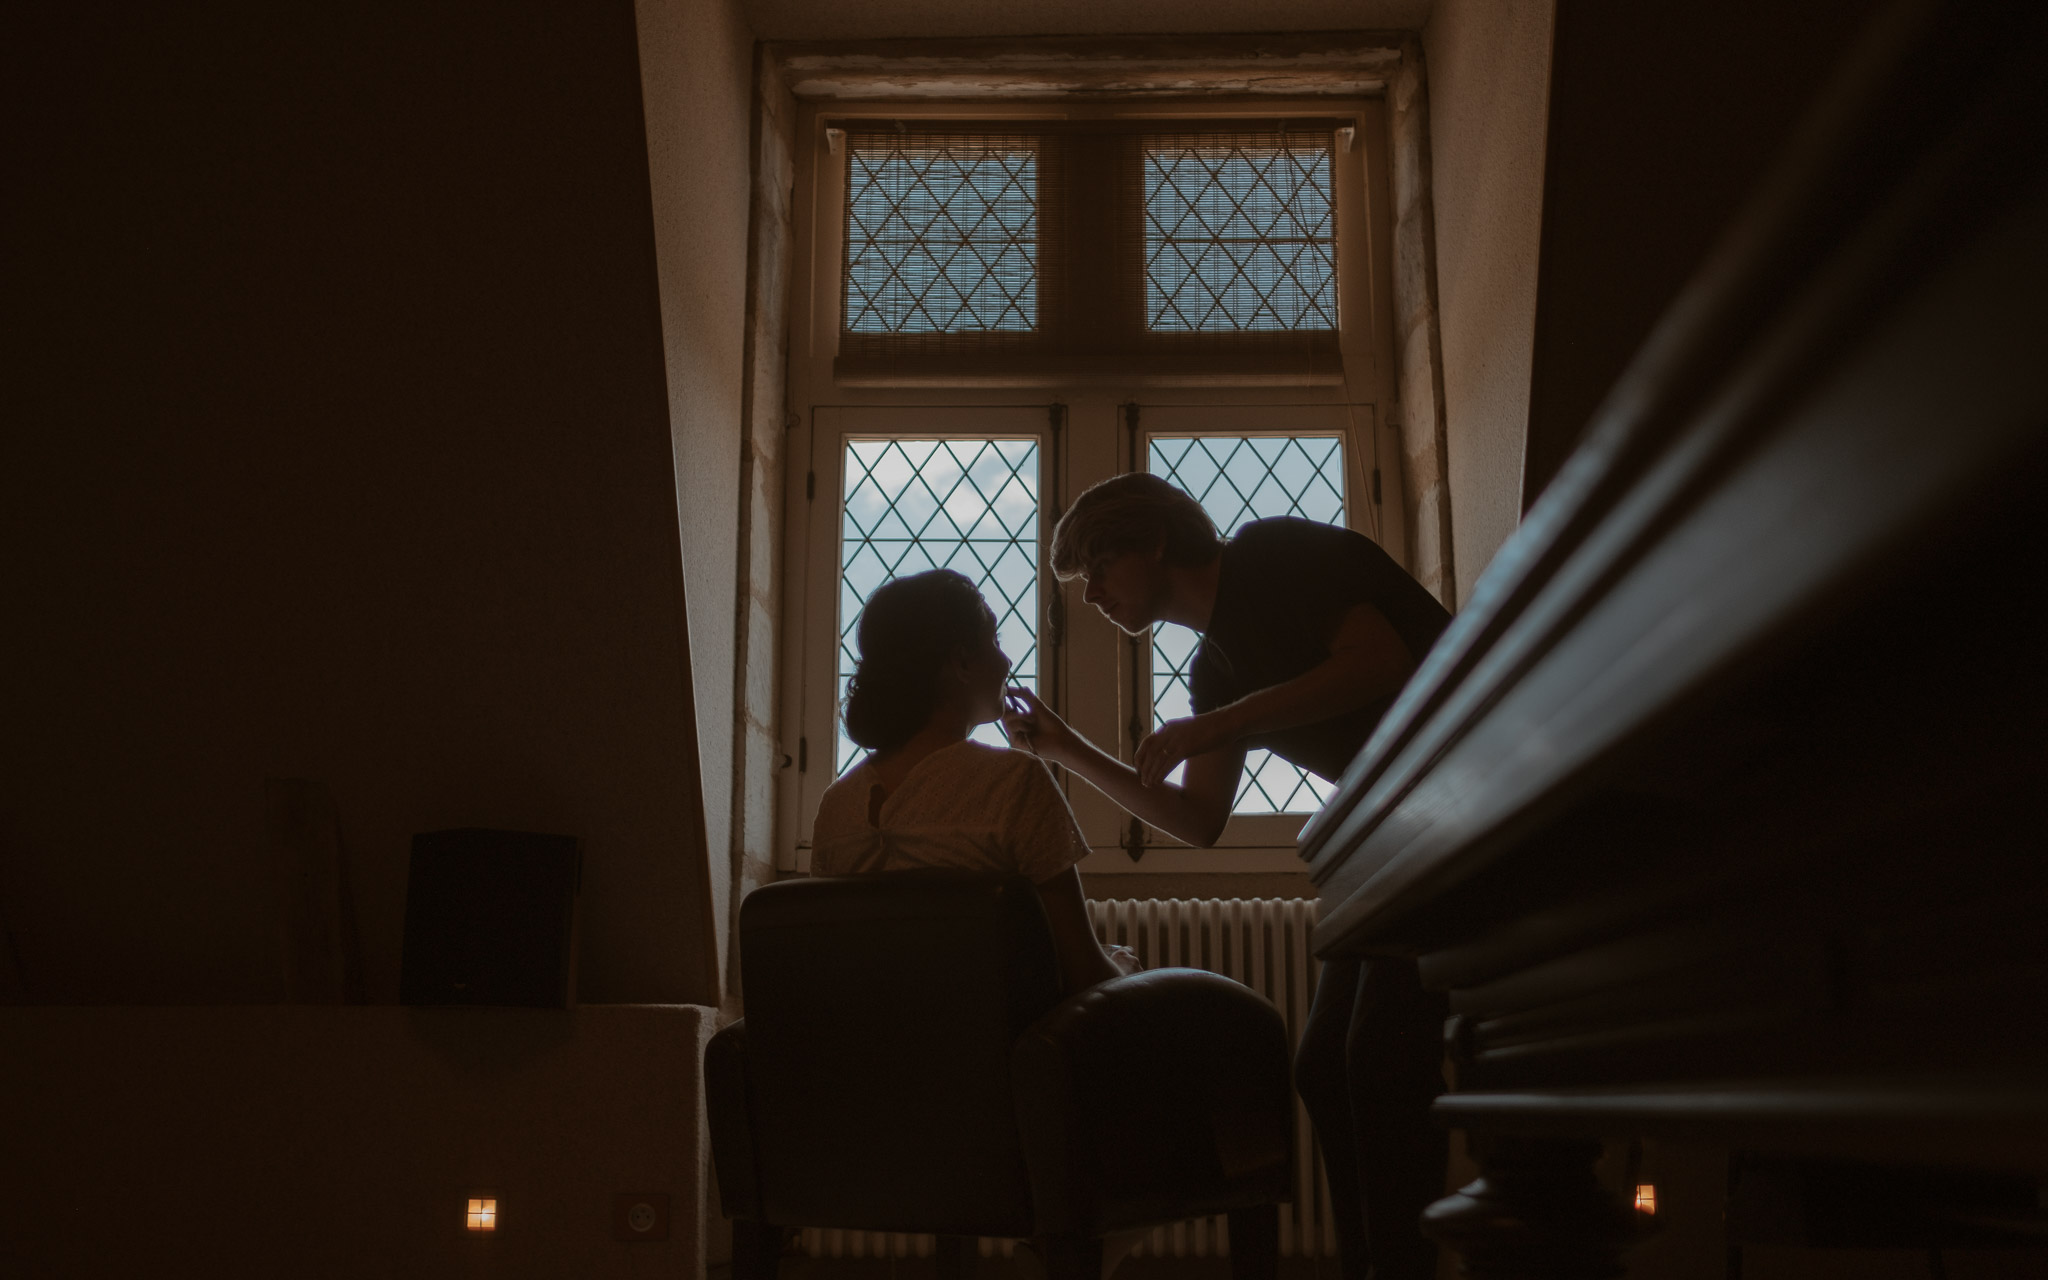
340, 447
696, 75
267, 1142
1489, 83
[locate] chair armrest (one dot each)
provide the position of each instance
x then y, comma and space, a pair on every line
729, 1110
1154, 1097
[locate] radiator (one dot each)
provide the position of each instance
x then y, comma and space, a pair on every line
1261, 942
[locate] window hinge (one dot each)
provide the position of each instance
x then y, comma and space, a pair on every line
803, 754
1133, 842
1376, 486
810, 485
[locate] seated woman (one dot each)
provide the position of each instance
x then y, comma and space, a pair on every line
930, 670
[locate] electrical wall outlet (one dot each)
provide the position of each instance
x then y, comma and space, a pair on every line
640, 1215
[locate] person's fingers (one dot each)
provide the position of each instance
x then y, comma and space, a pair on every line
1149, 758
1159, 753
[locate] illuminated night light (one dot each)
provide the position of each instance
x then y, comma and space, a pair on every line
483, 1214
1646, 1199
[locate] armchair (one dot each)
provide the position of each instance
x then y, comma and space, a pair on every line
906, 1064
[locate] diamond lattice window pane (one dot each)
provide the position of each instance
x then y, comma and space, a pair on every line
941, 236
1239, 237
970, 505
1239, 479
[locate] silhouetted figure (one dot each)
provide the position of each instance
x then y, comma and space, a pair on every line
929, 671
1309, 631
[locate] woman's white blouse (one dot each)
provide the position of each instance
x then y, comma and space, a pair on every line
966, 806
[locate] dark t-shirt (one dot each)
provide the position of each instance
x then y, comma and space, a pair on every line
1284, 585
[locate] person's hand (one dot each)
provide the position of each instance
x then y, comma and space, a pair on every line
1178, 740
1031, 726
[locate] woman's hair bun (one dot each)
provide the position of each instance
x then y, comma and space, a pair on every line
908, 629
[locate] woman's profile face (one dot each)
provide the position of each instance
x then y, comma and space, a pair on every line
988, 670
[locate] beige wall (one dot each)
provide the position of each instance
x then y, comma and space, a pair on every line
349, 441
344, 1142
1489, 83
696, 74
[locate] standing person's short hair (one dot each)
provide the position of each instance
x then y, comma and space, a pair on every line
1134, 512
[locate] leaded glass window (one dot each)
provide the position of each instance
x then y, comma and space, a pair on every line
968, 505
941, 235
1240, 478
1239, 237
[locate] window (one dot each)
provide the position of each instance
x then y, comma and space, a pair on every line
998, 307
968, 505
1122, 243
941, 235
1238, 479
1239, 237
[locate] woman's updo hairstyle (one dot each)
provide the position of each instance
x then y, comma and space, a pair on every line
909, 629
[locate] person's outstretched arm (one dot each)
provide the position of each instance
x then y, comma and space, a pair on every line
1368, 661
1193, 810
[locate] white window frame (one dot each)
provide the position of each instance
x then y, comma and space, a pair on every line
1086, 437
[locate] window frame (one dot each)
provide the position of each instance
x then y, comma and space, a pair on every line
817, 557
1101, 241
1090, 665
1254, 832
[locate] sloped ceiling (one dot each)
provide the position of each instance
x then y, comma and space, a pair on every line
878, 19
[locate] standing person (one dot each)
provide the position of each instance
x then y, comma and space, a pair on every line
1308, 633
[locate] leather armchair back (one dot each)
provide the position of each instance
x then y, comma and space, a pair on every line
880, 1016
